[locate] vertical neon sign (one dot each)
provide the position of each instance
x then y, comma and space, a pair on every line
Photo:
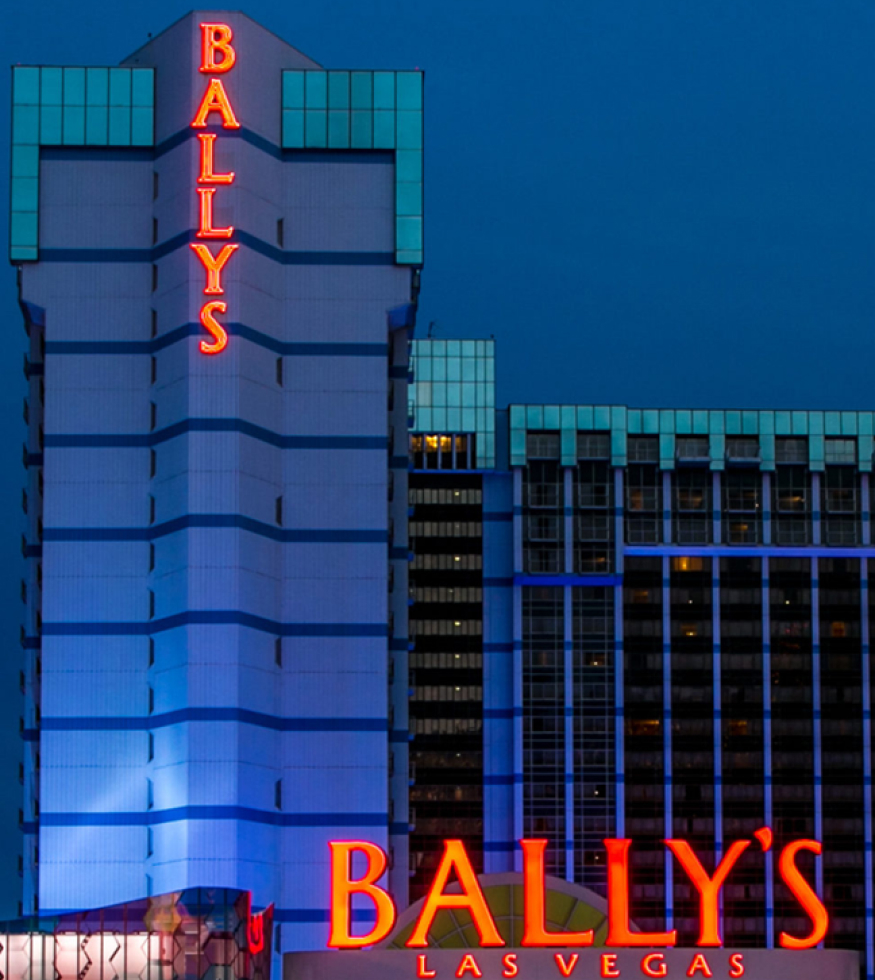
217, 57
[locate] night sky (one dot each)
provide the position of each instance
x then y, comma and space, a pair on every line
656, 204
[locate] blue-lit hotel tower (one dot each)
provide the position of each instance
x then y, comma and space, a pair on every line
319, 586
216, 544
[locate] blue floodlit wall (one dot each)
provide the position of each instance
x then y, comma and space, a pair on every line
210, 538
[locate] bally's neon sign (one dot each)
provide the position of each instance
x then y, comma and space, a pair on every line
535, 933
217, 58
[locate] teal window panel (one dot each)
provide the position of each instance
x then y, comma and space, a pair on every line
517, 415
799, 423
568, 419
119, 125
783, 423
293, 128
96, 86
683, 420
51, 125
767, 423
408, 256
865, 446
490, 393
423, 369
815, 423
815, 451
423, 393
384, 130
384, 90
551, 417
469, 419
849, 423
25, 86
74, 86
733, 423
25, 161
408, 233
25, 194
618, 418
717, 422
315, 129
666, 450
362, 132
338, 129
119, 87
338, 90
601, 417
439, 418
454, 419
767, 451
650, 421
438, 348
23, 228
23, 253
362, 90
864, 422
618, 447
142, 126
408, 130
490, 370
634, 421
409, 89
666, 422
454, 368
423, 418
454, 396
584, 417
439, 369
293, 90
143, 88
439, 394
25, 124
454, 348
315, 90
96, 125
517, 447
51, 87
408, 199
469, 372
700, 423
74, 125
568, 447
749, 423
534, 416
717, 450
832, 424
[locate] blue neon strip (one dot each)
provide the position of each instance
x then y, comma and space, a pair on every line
148, 439
218, 617
757, 551
867, 770
232, 521
151, 818
236, 715
568, 580
319, 915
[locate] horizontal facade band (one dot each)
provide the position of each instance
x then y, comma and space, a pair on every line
236, 715
152, 818
216, 617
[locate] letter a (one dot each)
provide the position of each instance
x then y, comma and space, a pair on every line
217, 37
342, 888
215, 100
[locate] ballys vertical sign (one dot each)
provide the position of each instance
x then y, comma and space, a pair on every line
217, 59
620, 933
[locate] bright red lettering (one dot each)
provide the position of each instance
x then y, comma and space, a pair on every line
343, 888
736, 965
699, 965
534, 915
609, 965
566, 969
654, 965
217, 38
510, 967
215, 100
619, 933
469, 965
422, 970
804, 894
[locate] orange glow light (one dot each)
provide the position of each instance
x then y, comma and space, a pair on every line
215, 100
534, 916
217, 38
342, 888
214, 265
207, 174
213, 327
206, 229
619, 933
804, 894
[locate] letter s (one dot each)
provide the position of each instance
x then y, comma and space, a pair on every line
736, 965
508, 961
804, 894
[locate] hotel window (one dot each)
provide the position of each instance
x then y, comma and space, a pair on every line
743, 448
542, 445
593, 445
791, 450
643, 449
692, 447
840, 451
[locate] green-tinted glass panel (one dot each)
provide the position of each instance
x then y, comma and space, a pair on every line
409, 130
683, 420
74, 125
384, 130
74, 86
384, 90
25, 124
293, 128
338, 90
96, 125
25, 86
24, 193
362, 132
142, 126
408, 257
408, 199
408, 166
119, 126
25, 161
51, 125
316, 128
338, 129
409, 89
96, 86
23, 253
362, 86
316, 90
551, 417
23, 228
601, 417
119, 87
408, 233
51, 86
143, 87
293, 90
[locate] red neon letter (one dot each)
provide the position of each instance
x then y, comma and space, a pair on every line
422, 970
214, 265
804, 894
471, 898
342, 888
699, 965
708, 888
213, 327
207, 175
609, 965
217, 37
535, 928
469, 965
654, 965
566, 969
508, 961
206, 229
619, 933
736, 965
215, 100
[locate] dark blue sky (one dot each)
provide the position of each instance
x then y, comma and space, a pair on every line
646, 203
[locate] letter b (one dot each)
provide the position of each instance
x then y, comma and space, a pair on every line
217, 38
343, 888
